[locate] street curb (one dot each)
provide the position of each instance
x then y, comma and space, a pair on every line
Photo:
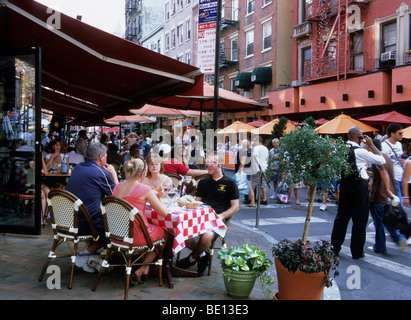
331, 293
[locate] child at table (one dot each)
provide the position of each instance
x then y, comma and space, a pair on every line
137, 194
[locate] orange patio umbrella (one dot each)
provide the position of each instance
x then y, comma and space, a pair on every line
341, 124
268, 127
236, 127
407, 133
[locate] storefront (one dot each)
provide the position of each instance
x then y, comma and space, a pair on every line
72, 69
20, 209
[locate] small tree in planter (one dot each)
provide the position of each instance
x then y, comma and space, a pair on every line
317, 160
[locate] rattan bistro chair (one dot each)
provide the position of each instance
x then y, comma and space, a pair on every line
118, 216
64, 210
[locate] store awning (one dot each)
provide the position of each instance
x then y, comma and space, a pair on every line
86, 70
262, 75
243, 80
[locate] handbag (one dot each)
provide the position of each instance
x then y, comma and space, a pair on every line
242, 183
395, 218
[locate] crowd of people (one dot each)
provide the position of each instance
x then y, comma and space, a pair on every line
382, 177
139, 175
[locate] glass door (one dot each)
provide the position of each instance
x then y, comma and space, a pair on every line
20, 154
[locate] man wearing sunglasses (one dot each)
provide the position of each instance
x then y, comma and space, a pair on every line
393, 148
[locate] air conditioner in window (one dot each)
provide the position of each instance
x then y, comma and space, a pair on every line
390, 55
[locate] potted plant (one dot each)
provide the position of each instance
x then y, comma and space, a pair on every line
241, 267
303, 268
317, 160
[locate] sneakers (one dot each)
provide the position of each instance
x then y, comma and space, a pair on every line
202, 263
185, 263
273, 196
402, 244
81, 262
323, 207
264, 202
95, 262
371, 249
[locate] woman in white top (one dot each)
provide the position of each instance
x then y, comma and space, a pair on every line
406, 182
54, 160
156, 178
406, 191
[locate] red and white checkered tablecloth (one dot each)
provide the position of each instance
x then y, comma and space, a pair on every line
187, 224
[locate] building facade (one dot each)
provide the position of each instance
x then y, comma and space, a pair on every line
179, 29
348, 56
142, 17
254, 51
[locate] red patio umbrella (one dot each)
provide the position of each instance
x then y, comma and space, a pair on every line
227, 101
131, 118
110, 130
321, 121
386, 118
156, 111
257, 123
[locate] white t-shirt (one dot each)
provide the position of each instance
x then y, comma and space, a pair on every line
394, 151
261, 153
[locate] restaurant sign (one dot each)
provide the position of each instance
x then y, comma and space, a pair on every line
207, 23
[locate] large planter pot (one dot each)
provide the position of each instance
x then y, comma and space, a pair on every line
239, 284
298, 285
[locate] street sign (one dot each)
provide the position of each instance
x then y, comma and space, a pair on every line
207, 23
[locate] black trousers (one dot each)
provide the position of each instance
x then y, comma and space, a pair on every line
353, 204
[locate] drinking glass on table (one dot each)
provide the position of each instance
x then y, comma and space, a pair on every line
172, 194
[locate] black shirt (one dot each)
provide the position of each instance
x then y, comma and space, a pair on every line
217, 194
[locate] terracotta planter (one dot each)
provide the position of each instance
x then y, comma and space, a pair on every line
298, 285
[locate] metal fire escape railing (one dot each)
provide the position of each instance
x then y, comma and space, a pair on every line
332, 57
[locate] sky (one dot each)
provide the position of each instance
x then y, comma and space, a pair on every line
108, 15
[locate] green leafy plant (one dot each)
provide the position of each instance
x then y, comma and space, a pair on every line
307, 257
248, 258
278, 128
315, 159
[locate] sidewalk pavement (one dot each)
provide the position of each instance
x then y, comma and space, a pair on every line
22, 259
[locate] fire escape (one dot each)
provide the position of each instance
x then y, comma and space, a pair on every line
332, 51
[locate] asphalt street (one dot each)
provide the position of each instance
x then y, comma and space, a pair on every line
375, 277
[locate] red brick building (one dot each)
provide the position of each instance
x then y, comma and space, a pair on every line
348, 56
255, 51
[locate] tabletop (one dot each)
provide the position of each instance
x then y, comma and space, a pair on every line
54, 180
187, 223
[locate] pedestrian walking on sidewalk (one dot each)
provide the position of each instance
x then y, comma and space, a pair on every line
382, 191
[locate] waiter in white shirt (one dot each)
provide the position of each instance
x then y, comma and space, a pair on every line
354, 201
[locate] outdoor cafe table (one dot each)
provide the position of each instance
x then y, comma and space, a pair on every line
55, 179
184, 224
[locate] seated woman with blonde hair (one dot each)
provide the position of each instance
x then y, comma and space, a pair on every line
137, 194
156, 178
